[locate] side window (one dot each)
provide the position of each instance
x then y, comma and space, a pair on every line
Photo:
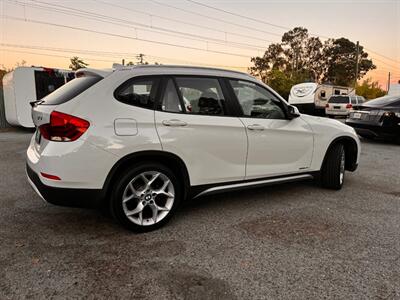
361, 100
353, 100
201, 95
323, 94
170, 100
257, 102
140, 92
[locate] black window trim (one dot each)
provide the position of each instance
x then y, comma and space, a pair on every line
157, 79
239, 108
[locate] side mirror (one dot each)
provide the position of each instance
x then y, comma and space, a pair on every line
293, 112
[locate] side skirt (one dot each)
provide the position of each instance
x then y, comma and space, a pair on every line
201, 190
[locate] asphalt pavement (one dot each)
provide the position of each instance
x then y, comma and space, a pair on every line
292, 241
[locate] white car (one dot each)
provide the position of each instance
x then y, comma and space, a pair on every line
343, 105
126, 138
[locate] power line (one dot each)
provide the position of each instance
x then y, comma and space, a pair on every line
274, 25
388, 58
123, 36
248, 18
150, 28
54, 55
183, 22
117, 55
217, 19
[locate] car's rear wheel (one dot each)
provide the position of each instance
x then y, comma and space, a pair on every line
145, 197
333, 170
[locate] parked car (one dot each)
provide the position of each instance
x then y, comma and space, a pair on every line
378, 118
128, 139
342, 105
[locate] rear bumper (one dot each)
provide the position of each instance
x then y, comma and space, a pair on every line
336, 112
88, 198
372, 130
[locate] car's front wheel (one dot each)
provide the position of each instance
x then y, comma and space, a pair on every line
333, 170
145, 197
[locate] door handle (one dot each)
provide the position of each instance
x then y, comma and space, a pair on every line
256, 127
174, 123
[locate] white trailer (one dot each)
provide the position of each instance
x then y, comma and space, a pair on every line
311, 97
26, 84
394, 89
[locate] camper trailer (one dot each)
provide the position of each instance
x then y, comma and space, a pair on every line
394, 89
311, 98
26, 84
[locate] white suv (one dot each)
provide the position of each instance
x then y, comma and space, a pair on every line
142, 139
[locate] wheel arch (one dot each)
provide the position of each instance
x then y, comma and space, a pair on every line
170, 160
350, 148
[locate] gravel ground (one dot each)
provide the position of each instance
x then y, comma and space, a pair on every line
293, 241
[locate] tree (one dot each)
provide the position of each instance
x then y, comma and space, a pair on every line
341, 57
77, 63
369, 89
301, 58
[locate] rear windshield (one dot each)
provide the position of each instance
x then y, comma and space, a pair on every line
339, 99
384, 101
70, 90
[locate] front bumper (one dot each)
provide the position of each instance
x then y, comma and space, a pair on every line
88, 198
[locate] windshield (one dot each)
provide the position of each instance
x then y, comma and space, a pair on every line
70, 90
383, 101
339, 99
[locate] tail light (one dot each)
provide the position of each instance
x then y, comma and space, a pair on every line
327, 105
63, 127
349, 105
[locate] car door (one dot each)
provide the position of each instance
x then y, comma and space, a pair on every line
194, 121
277, 145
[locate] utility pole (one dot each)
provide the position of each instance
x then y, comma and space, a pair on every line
123, 61
357, 59
140, 57
388, 85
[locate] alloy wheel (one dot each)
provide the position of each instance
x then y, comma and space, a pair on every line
148, 198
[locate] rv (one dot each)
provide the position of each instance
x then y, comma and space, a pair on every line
312, 98
26, 84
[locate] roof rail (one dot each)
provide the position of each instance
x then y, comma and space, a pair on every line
121, 67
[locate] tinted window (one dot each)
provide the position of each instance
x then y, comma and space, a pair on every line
70, 90
257, 102
47, 82
384, 101
201, 95
339, 99
138, 92
170, 101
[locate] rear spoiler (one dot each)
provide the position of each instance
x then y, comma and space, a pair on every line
93, 72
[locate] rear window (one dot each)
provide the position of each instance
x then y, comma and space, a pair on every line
70, 90
384, 101
339, 99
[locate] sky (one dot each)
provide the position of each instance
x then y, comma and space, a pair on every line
123, 29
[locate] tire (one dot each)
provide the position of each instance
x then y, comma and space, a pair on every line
152, 203
333, 170
331, 117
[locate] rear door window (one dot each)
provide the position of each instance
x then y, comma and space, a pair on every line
201, 95
70, 90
